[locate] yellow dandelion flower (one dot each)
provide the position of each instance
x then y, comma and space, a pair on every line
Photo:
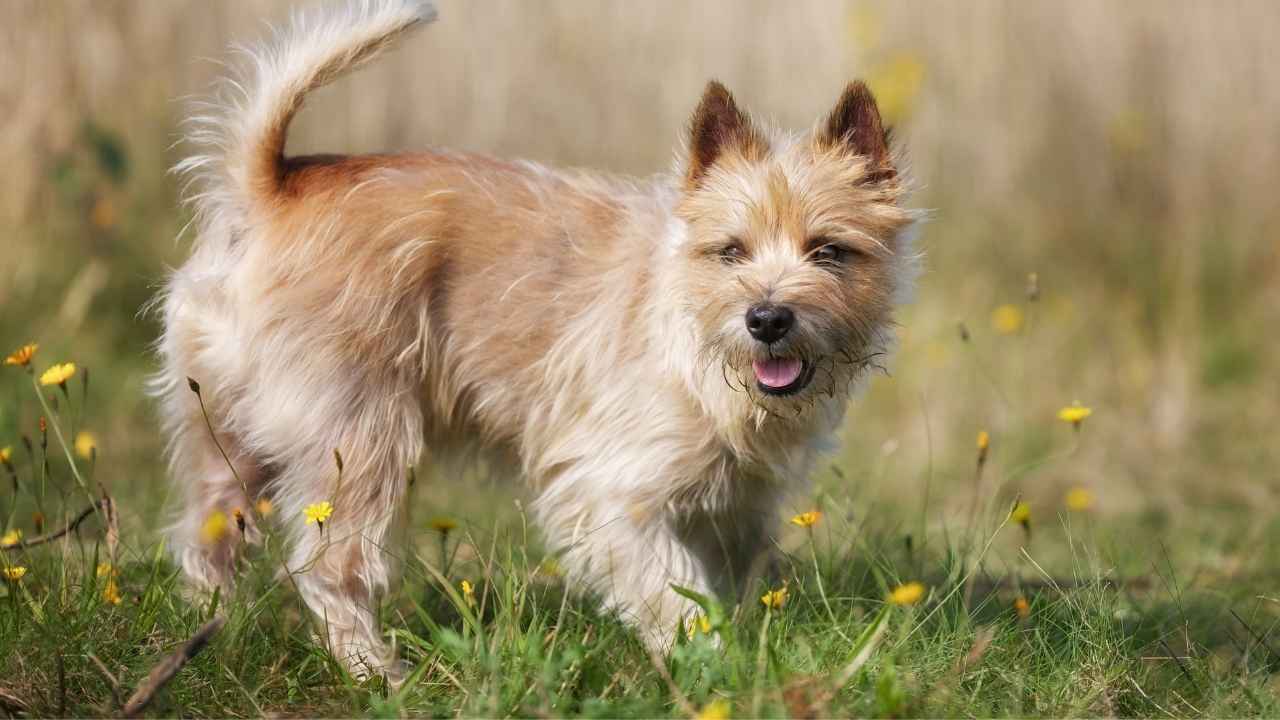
6, 455
698, 625
896, 83
774, 599
908, 594
106, 568
58, 374
1007, 319
984, 441
715, 710
103, 214
468, 592
550, 567
13, 573
11, 538
1080, 499
22, 356
1074, 413
443, 525
1021, 514
264, 507
214, 528
1022, 607
86, 443
807, 519
318, 512
111, 593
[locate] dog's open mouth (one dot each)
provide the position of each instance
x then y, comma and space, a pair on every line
782, 376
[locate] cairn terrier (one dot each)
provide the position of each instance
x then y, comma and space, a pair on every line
661, 360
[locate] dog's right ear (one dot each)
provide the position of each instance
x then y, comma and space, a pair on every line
855, 124
717, 127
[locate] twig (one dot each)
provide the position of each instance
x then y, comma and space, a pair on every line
62, 687
111, 679
105, 503
163, 672
11, 703
1258, 638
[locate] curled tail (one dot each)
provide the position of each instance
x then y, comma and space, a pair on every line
242, 132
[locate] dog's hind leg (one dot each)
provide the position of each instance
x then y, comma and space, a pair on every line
215, 506
340, 564
211, 487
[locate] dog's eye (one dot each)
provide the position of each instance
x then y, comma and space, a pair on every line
829, 254
732, 253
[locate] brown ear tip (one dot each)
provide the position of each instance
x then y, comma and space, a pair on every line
859, 93
716, 91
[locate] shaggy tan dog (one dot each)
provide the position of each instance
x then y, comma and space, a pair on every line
662, 360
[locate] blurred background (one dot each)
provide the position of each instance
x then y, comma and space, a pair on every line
1125, 154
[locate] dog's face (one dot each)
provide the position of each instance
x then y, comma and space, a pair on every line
793, 254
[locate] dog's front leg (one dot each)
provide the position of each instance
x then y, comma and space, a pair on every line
642, 563
632, 555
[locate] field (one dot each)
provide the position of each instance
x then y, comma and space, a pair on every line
1100, 183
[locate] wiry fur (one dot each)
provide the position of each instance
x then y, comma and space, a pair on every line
580, 326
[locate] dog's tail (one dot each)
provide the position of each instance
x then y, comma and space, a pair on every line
242, 132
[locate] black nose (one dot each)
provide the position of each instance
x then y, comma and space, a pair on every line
769, 323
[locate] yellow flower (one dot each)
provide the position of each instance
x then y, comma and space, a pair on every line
896, 83
103, 214
58, 374
1007, 319
908, 594
468, 592
1074, 413
1021, 514
22, 356
807, 519
550, 567
1022, 607
443, 525
86, 443
214, 528
698, 625
111, 593
264, 507
318, 512
984, 441
6, 456
1080, 499
106, 568
13, 573
11, 538
715, 710
774, 599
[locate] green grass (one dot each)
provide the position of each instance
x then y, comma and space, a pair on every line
1116, 623
1162, 600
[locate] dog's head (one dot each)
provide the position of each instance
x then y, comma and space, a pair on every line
794, 252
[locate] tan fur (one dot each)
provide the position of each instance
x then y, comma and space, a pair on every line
585, 327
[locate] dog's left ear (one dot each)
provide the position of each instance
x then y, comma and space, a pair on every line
855, 124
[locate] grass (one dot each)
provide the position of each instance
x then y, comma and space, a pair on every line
1023, 614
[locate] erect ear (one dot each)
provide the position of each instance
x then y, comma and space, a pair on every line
717, 126
855, 124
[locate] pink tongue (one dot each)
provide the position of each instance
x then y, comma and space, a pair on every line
777, 373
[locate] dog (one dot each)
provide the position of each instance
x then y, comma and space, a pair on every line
663, 360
